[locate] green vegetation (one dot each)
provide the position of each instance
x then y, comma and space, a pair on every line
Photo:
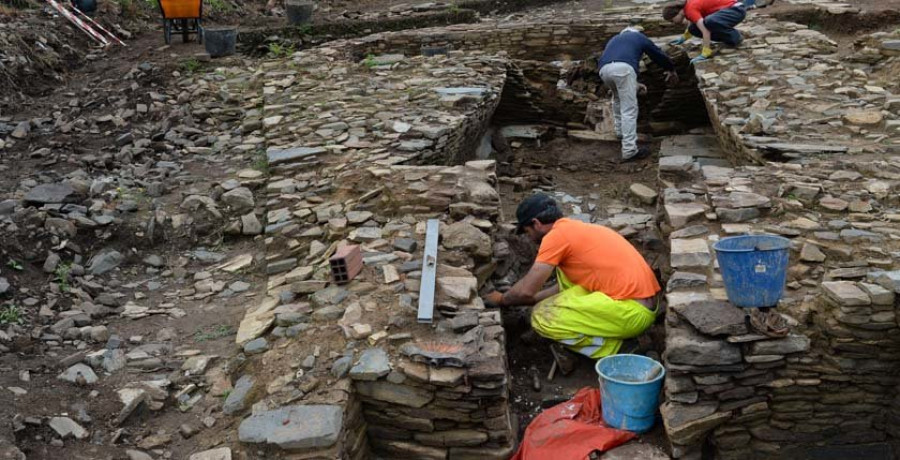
219, 6
212, 333
370, 61
10, 314
15, 265
454, 8
305, 29
62, 276
190, 66
277, 50
260, 162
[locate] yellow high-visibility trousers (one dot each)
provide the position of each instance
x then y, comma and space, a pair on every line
590, 323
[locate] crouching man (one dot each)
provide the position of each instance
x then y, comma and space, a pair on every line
605, 291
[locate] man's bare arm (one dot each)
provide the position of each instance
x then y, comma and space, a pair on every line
707, 35
527, 290
550, 291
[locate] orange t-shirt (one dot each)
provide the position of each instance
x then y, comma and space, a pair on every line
598, 259
695, 10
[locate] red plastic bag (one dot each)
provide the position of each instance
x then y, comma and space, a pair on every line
570, 431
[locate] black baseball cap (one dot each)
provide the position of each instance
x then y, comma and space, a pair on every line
530, 208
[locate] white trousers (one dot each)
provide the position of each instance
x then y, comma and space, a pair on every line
621, 79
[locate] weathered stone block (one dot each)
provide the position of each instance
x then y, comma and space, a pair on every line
714, 318
790, 344
690, 253
688, 424
294, 427
398, 394
845, 293
452, 438
686, 347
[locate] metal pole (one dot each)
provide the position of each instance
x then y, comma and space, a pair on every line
108, 33
78, 23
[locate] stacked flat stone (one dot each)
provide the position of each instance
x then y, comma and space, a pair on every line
752, 396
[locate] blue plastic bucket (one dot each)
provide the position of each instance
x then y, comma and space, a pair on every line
754, 268
629, 391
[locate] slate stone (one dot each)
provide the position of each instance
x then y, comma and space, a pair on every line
4, 285
686, 425
403, 395
66, 427
737, 215
465, 236
341, 366
105, 262
790, 344
406, 245
686, 347
372, 365
50, 193
714, 318
685, 280
329, 296
846, 293
72, 374
294, 427
221, 453
256, 346
237, 399
7, 207
277, 156
889, 280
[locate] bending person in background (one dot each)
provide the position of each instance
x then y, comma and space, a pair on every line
605, 291
619, 66
714, 20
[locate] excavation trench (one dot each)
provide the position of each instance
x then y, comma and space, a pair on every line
558, 139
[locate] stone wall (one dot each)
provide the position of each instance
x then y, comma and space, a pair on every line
833, 380
543, 40
341, 172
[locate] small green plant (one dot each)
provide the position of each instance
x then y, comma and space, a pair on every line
260, 162
152, 3
225, 394
190, 66
10, 314
454, 8
15, 265
212, 333
370, 61
305, 29
219, 6
62, 276
277, 50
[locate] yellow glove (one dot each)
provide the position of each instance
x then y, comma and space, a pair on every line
707, 52
683, 38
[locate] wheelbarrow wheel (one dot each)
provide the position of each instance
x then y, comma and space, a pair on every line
184, 31
167, 31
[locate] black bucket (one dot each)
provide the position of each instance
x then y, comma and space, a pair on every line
298, 11
220, 41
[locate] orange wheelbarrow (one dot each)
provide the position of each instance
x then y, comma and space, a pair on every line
181, 17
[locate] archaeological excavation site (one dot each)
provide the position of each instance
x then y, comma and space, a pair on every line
292, 230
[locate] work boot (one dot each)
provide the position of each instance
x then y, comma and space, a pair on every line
565, 359
642, 152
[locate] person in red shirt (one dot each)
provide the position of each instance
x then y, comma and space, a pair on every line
714, 20
605, 291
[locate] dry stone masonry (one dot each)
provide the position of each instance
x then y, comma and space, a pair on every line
832, 382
